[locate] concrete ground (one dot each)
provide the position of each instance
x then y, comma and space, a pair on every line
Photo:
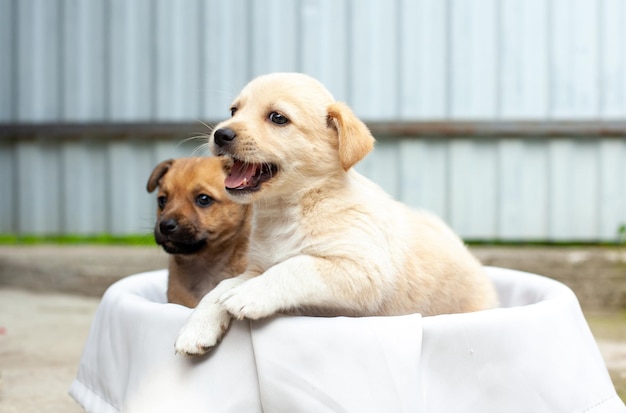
41, 341
45, 318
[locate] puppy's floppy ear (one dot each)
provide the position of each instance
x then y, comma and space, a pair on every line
157, 174
355, 139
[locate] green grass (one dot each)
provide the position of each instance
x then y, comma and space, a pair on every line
97, 239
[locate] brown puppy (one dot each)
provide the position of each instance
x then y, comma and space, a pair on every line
205, 233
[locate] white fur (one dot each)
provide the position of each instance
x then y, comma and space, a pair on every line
325, 240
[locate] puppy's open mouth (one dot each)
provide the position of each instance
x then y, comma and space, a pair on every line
248, 177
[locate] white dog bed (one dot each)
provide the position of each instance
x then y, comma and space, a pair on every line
535, 354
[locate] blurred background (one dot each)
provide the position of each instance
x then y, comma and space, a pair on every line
506, 118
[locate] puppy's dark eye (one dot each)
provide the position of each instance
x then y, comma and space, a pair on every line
278, 119
161, 201
203, 200
233, 111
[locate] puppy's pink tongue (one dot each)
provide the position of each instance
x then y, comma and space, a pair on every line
240, 175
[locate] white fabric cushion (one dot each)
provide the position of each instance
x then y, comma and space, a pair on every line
535, 354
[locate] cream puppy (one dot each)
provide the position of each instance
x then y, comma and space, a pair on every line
325, 240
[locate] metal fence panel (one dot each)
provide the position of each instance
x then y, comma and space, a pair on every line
130, 62
489, 188
152, 62
7, 64
420, 59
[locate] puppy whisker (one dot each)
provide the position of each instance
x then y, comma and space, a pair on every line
268, 166
206, 125
205, 147
199, 136
192, 138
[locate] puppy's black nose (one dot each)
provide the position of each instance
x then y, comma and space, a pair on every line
224, 136
168, 226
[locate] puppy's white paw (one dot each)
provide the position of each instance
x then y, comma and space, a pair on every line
250, 300
202, 331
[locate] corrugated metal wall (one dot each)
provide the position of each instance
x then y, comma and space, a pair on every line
511, 188
143, 61
82, 184
167, 60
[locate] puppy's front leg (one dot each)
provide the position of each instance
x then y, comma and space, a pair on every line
207, 324
305, 281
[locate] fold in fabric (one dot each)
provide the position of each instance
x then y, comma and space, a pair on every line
534, 354
129, 358
321, 365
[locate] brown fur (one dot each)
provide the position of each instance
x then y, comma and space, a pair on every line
209, 243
